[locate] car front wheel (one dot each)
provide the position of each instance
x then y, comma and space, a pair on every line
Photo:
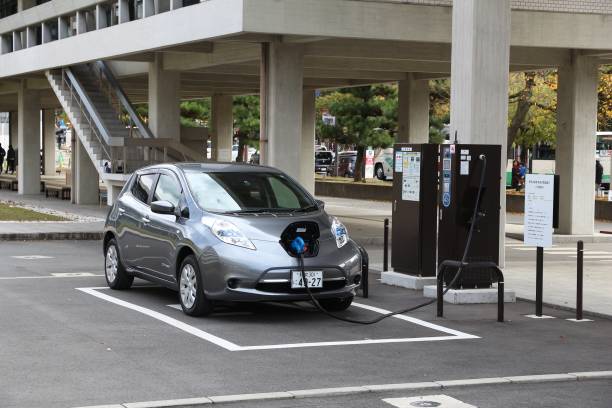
380, 173
116, 275
191, 292
336, 305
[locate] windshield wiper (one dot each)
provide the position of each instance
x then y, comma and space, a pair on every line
305, 209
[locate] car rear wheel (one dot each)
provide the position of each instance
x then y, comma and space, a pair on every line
116, 275
191, 291
336, 305
380, 172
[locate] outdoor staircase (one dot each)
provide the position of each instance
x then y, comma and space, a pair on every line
97, 107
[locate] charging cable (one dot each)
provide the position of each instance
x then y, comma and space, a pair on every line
298, 247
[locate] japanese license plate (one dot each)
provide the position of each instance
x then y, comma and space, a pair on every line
313, 278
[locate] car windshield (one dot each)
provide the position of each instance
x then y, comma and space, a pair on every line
323, 156
237, 192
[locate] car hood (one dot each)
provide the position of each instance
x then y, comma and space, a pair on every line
269, 227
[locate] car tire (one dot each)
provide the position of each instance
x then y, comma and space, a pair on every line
380, 172
116, 276
191, 290
336, 305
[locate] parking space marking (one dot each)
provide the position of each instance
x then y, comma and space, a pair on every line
53, 276
32, 257
228, 345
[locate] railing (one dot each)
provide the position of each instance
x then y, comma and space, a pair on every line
88, 111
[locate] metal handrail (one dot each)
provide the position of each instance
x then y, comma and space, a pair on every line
86, 107
105, 70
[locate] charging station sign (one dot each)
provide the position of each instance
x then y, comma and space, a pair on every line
539, 209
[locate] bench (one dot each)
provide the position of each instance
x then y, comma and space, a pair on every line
58, 190
9, 181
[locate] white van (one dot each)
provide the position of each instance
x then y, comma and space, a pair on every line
383, 164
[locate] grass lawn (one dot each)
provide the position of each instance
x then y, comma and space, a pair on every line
9, 213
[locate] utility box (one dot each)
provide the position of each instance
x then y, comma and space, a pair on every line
415, 196
460, 173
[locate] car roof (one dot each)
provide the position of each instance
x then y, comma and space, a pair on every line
218, 167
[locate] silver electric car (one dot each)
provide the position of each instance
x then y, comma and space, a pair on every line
224, 232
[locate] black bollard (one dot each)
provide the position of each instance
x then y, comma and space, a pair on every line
579, 279
386, 246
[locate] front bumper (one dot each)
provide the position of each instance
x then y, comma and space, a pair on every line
236, 274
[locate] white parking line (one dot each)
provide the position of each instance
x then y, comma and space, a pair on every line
53, 276
32, 257
228, 345
440, 401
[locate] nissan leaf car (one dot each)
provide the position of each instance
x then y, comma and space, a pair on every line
223, 232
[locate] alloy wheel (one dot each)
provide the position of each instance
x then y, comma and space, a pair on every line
111, 263
189, 286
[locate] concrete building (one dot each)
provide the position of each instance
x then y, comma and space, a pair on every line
162, 51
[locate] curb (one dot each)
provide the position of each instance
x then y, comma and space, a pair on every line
343, 391
52, 236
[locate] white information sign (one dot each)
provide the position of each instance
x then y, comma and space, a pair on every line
539, 207
369, 163
411, 176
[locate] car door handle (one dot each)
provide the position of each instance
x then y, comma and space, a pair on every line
146, 220
121, 210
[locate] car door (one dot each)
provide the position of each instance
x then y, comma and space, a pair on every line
134, 208
164, 230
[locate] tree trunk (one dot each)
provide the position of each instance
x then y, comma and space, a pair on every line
358, 176
522, 109
241, 146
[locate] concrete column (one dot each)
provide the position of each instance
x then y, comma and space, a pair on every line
222, 127
112, 191
81, 22
17, 44
63, 27
101, 18
413, 111
575, 161
281, 88
28, 146
176, 4
480, 74
124, 11
30, 37
164, 101
307, 154
148, 8
45, 32
5, 44
49, 140
86, 183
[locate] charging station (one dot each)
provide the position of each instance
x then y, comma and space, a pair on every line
435, 191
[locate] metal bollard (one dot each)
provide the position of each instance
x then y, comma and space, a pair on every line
386, 246
579, 279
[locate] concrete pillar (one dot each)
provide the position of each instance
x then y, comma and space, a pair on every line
575, 154
81, 22
413, 111
124, 11
307, 154
222, 127
148, 8
28, 146
112, 191
6, 43
49, 141
164, 101
63, 28
30, 36
86, 183
282, 80
17, 44
45, 32
101, 17
176, 4
480, 74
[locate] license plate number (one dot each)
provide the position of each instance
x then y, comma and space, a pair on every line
313, 278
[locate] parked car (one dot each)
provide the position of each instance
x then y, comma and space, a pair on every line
224, 232
383, 164
346, 163
324, 162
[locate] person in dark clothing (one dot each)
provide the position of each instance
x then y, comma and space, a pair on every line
2, 154
10, 160
598, 175
516, 177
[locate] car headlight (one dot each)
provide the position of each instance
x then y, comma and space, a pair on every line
340, 232
230, 234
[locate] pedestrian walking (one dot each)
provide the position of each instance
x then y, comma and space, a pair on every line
522, 174
10, 160
2, 154
598, 175
515, 175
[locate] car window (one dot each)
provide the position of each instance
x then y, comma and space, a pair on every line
168, 189
285, 197
142, 187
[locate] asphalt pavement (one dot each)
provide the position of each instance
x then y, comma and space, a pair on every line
67, 341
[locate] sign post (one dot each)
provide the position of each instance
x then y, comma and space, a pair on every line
539, 210
369, 163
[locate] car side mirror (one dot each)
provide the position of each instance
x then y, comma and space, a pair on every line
162, 207
320, 204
